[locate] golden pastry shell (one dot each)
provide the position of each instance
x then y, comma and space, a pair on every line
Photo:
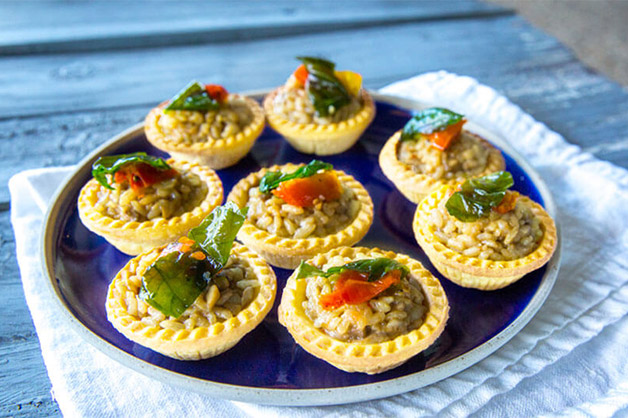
356, 356
289, 252
132, 237
415, 186
312, 138
472, 271
214, 153
196, 343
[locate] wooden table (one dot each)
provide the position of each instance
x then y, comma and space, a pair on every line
74, 74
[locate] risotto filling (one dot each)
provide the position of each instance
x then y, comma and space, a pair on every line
167, 199
498, 237
466, 156
230, 291
189, 127
272, 214
396, 311
293, 103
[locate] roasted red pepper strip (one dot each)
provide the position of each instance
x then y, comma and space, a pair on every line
302, 192
142, 175
353, 288
441, 139
508, 202
301, 74
216, 92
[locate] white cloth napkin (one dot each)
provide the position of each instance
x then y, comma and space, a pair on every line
569, 360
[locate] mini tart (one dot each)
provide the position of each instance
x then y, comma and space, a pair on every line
415, 186
312, 138
475, 272
195, 343
289, 252
356, 356
132, 237
214, 153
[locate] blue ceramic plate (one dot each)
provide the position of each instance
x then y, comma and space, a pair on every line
267, 366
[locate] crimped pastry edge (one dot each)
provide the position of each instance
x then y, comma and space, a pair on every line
215, 154
474, 272
415, 186
289, 252
132, 237
356, 356
200, 342
311, 138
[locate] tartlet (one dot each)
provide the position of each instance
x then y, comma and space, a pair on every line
191, 336
215, 138
289, 243
493, 252
417, 167
290, 110
424, 302
136, 236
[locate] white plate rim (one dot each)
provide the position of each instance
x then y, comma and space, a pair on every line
298, 397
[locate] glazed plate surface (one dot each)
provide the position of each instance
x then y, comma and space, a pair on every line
267, 366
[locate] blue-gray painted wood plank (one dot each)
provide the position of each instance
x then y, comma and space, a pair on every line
64, 105
37, 85
86, 26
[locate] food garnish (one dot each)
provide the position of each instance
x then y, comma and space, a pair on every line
303, 186
437, 125
358, 281
139, 169
198, 97
324, 88
477, 197
173, 282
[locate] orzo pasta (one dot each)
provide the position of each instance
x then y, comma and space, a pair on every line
467, 156
293, 103
398, 310
498, 237
166, 199
231, 291
270, 213
188, 127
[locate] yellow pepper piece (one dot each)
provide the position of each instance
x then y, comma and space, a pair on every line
352, 81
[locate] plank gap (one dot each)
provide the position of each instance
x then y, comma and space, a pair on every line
178, 36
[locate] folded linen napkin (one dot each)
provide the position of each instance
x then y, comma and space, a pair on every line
569, 360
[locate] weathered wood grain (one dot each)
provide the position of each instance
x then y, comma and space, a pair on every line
54, 27
59, 106
24, 381
44, 84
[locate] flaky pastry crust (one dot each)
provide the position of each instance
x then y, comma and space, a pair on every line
472, 271
312, 138
357, 356
199, 342
415, 186
214, 153
132, 237
289, 252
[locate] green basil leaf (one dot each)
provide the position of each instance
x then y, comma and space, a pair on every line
193, 97
111, 164
499, 181
272, 179
215, 235
307, 270
324, 89
173, 282
479, 196
428, 121
375, 268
